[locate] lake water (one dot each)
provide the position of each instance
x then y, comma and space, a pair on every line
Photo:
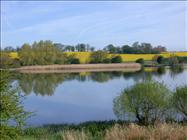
79, 97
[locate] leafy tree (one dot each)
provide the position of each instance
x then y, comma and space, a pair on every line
116, 59
146, 101
9, 49
81, 47
180, 100
110, 48
41, 53
98, 56
92, 49
126, 49
11, 109
25, 55
60, 46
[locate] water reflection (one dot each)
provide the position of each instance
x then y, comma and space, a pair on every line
45, 84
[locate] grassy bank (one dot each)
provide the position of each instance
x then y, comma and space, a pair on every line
108, 131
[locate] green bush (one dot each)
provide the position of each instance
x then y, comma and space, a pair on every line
173, 60
180, 100
107, 60
160, 59
116, 59
74, 61
182, 59
141, 61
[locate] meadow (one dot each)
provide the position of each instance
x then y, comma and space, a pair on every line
84, 57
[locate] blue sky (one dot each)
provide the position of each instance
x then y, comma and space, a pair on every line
96, 23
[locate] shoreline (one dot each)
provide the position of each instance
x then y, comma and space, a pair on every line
78, 68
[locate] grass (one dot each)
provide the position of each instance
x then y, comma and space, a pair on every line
84, 57
113, 131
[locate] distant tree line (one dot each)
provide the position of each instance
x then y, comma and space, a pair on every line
47, 52
135, 48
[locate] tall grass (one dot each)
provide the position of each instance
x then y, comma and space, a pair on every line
157, 132
122, 132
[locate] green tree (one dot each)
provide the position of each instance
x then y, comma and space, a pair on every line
110, 48
180, 100
147, 102
26, 54
11, 109
98, 56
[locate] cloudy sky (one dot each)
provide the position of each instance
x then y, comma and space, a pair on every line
96, 23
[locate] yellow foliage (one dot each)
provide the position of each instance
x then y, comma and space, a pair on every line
14, 55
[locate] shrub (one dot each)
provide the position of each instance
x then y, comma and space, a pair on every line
7, 62
141, 61
173, 60
116, 59
107, 60
182, 59
180, 100
160, 59
74, 61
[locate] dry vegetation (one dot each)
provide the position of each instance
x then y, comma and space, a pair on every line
157, 132
80, 67
134, 132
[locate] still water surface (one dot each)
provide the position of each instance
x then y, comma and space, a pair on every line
79, 97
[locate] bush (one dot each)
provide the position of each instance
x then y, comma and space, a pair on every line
7, 62
180, 100
173, 60
182, 59
160, 59
74, 61
116, 59
141, 61
107, 60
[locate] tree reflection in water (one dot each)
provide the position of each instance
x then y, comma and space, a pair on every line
46, 83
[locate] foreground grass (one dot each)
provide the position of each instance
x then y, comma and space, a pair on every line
111, 131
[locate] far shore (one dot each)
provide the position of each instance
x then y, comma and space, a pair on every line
128, 67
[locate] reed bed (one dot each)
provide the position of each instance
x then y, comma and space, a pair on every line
82, 67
